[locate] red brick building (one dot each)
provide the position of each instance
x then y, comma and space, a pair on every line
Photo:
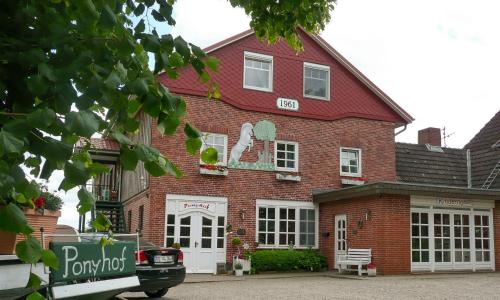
307, 157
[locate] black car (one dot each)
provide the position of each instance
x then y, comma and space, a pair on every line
158, 268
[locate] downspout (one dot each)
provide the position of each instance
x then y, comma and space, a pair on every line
469, 175
401, 131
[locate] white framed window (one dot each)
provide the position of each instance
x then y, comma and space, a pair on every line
286, 156
350, 162
258, 72
281, 224
217, 141
316, 81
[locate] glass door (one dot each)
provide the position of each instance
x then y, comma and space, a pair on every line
461, 237
340, 236
442, 240
420, 240
482, 240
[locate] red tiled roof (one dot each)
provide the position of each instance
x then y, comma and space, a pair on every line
100, 144
352, 94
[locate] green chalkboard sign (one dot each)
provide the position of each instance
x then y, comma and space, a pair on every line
90, 260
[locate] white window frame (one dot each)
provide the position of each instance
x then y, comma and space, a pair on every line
258, 56
317, 67
298, 205
360, 159
296, 168
205, 135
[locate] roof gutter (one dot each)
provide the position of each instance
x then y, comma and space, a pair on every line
401, 131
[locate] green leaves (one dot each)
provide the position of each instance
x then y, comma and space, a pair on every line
193, 141
29, 250
101, 222
129, 159
83, 123
209, 156
86, 201
167, 124
12, 219
50, 259
9, 143
34, 282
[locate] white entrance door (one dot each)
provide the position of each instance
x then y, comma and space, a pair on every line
196, 236
340, 236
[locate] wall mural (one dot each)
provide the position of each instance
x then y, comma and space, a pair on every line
262, 131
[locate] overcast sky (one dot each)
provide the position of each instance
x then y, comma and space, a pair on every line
437, 59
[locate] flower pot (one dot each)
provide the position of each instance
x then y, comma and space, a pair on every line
38, 219
372, 272
7, 242
238, 272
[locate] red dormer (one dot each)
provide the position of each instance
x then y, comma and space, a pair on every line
317, 83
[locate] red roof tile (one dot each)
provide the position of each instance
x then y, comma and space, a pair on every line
106, 144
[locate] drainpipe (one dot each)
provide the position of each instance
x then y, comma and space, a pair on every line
401, 131
469, 175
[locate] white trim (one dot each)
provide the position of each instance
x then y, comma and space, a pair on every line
258, 56
173, 197
285, 169
297, 205
317, 67
205, 135
360, 172
95, 287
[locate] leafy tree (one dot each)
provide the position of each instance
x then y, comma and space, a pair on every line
71, 69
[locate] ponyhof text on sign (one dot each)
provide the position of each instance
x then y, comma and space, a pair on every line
89, 260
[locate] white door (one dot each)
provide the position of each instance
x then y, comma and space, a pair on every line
196, 236
340, 236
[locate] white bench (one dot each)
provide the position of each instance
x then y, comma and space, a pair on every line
355, 257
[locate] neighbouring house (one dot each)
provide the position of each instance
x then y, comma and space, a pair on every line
307, 157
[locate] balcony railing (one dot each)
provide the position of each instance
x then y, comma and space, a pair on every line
103, 192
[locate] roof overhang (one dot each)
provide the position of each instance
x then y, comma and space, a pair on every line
337, 56
401, 188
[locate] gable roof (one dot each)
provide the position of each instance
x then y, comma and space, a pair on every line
487, 136
416, 164
316, 108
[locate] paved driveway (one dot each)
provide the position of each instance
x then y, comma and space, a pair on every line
445, 286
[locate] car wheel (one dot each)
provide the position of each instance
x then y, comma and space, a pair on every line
156, 294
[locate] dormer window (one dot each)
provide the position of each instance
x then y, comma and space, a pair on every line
316, 81
258, 72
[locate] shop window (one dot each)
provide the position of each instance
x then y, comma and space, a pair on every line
219, 143
286, 156
420, 237
266, 225
206, 233
221, 228
307, 227
350, 162
258, 73
287, 226
442, 238
316, 81
170, 234
281, 226
482, 238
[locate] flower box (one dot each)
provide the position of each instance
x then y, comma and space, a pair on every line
288, 177
352, 181
213, 170
246, 263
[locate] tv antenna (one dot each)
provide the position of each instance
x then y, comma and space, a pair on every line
445, 136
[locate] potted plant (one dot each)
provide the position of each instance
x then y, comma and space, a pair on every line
43, 211
372, 269
238, 268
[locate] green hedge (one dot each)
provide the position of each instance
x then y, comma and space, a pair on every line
287, 260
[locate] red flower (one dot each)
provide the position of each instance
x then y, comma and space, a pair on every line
371, 265
39, 202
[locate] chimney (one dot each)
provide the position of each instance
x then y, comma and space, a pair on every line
430, 136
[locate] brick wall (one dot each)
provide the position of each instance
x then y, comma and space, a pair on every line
133, 205
319, 143
386, 232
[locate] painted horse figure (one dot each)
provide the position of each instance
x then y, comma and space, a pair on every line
244, 142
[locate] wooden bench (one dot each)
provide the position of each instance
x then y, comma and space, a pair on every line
355, 257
